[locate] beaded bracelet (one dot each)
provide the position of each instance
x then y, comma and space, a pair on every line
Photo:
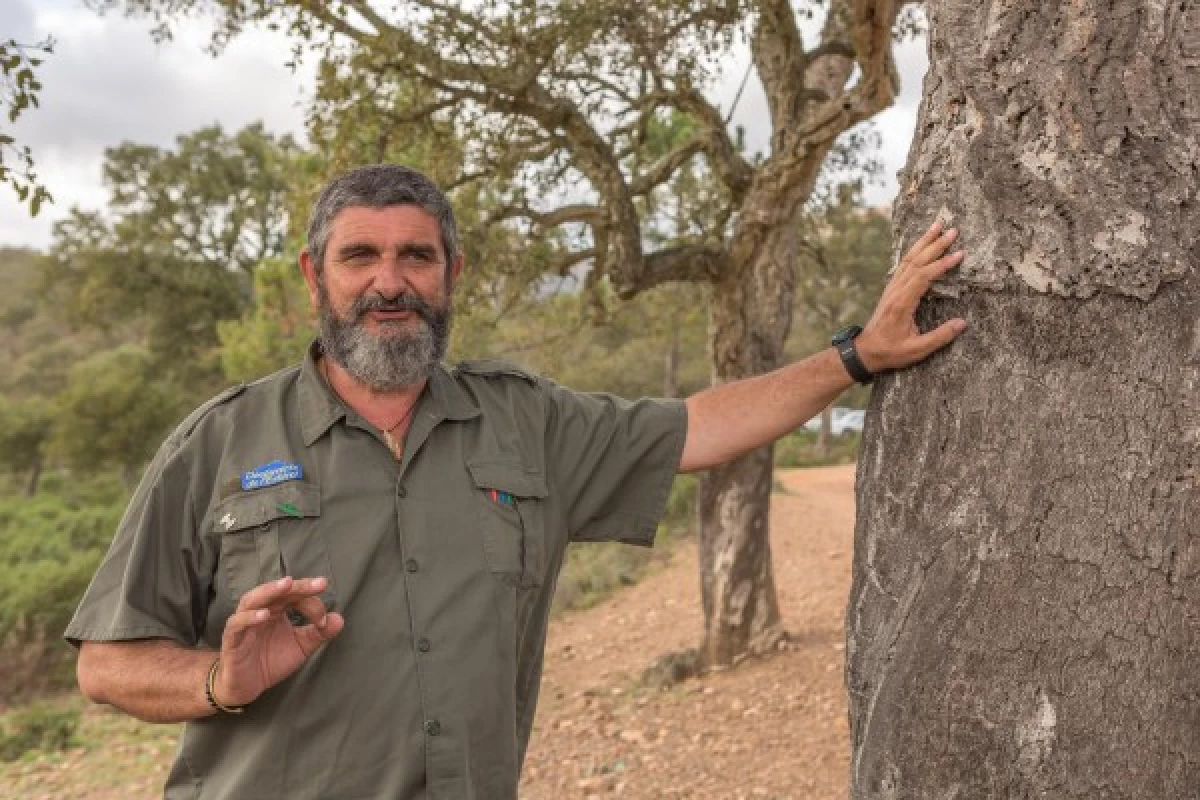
211, 697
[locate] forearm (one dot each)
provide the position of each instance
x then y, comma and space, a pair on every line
730, 420
155, 680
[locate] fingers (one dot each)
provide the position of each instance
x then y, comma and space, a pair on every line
924, 277
939, 337
935, 248
928, 248
312, 608
285, 591
311, 637
927, 238
240, 622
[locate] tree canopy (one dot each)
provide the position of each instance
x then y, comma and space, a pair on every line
19, 91
175, 250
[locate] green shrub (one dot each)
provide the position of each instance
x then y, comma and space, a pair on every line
680, 516
593, 570
799, 449
50, 545
38, 727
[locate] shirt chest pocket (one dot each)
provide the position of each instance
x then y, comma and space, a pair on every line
269, 533
510, 503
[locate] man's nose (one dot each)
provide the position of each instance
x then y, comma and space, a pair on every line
392, 277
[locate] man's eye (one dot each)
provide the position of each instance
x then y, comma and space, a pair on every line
418, 259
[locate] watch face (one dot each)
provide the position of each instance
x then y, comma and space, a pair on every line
846, 334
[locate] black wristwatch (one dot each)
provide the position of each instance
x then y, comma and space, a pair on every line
843, 340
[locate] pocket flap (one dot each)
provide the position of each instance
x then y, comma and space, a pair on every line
508, 476
251, 509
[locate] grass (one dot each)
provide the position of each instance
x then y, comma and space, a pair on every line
110, 756
800, 449
592, 571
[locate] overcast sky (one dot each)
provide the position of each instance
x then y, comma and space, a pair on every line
108, 82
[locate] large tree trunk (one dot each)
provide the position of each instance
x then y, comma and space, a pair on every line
750, 317
1025, 614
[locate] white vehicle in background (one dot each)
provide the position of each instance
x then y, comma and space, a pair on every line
841, 420
847, 419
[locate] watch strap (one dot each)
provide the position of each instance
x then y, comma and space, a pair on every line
848, 351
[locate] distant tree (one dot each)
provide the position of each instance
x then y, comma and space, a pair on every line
113, 412
175, 250
19, 88
25, 427
555, 101
275, 330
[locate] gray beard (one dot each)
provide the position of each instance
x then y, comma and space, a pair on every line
397, 360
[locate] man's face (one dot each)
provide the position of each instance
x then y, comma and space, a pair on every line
383, 295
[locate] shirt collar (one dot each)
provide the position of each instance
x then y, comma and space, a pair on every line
320, 408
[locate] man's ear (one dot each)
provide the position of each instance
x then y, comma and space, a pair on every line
309, 268
456, 269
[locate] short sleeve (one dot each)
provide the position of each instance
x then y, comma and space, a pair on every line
612, 461
155, 580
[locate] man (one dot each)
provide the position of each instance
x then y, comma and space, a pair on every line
340, 575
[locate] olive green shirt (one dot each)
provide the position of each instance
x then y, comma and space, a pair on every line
443, 565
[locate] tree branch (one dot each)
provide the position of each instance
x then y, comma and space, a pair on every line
686, 263
779, 57
562, 266
661, 171
545, 220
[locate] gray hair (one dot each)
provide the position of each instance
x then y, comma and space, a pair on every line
379, 186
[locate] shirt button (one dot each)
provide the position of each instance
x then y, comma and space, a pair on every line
433, 727
411, 565
423, 645
401, 491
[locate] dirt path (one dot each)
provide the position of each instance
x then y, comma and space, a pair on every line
773, 729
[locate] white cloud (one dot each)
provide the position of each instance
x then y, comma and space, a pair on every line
108, 82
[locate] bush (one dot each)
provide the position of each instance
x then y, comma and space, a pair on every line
50, 546
593, 570
799, 449
38, 727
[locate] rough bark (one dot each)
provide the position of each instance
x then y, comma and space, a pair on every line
1025, 611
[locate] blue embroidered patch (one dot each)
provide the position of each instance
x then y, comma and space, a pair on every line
271, 474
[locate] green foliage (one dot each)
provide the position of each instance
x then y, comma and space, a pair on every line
113, 411
592, 571
39, 727
19, 88
49, 548
275, 331
175, 251
800, 449
25, 427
